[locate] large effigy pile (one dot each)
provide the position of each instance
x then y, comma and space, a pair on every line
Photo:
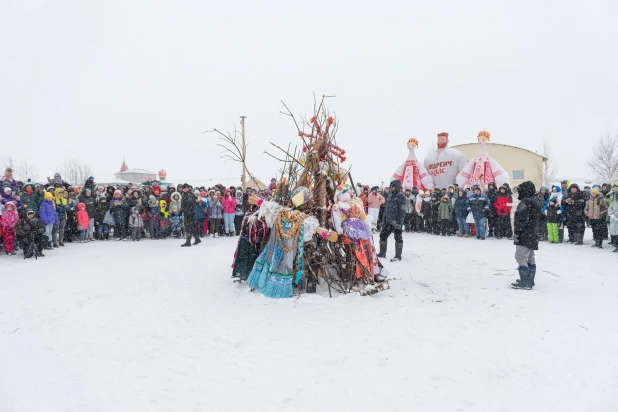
313, 230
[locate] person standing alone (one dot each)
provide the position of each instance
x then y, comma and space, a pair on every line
187, 206
526, 236
392, 221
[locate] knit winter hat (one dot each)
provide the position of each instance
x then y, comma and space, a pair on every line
595, 191
48, 196
7, 190
117, 192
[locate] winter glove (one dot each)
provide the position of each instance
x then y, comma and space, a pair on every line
422, 216
558, 212
545, 213
614, 217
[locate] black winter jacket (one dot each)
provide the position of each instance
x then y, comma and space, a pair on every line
187, 206
395, 207
527, 218
574, 206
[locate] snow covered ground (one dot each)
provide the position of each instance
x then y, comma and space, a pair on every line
150, 326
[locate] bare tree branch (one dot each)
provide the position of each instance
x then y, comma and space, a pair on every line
604, 161
547, 171
73, 171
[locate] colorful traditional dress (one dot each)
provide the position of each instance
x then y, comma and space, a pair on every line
482, 168
412, 173
351, 223
274, 270
253, 233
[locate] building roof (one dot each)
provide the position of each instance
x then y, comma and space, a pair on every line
124, 167
139, 171
500, 144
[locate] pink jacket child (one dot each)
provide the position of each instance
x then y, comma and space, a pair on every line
229, 203
9, 222
82, 217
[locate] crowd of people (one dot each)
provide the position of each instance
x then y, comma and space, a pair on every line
38, 217
484, 212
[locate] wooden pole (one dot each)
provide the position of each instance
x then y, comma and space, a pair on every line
244, 155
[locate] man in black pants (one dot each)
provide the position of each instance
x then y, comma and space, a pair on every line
392, 222
187, 205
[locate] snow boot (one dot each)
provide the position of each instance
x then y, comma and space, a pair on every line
398, 250
197, 241
383, 247
48, 244
187, 243
532, 271
579, 239
524, 279
56, 244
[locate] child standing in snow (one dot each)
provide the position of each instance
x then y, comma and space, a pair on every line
82, 222
553, 212
48, 215
445, 212
176, 222
153, 217
216, 215
9, 223
136, 223
99, 215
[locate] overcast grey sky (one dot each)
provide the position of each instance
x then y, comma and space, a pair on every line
142, 79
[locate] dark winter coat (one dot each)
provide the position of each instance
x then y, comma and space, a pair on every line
478, 205
426, 209
187, 205
527, 217
462, 204
395, 207
29, 227
552, 214
32, 201
492, 195
10, 198
574, 205
434, 216
119, 209
89, 202
100, 208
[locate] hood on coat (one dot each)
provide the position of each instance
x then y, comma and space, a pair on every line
461, 193
175, 197
134, 210
445, 199
163, 205
10, 206
239, 194
81, 207
397, 185
526, 189
558, 189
